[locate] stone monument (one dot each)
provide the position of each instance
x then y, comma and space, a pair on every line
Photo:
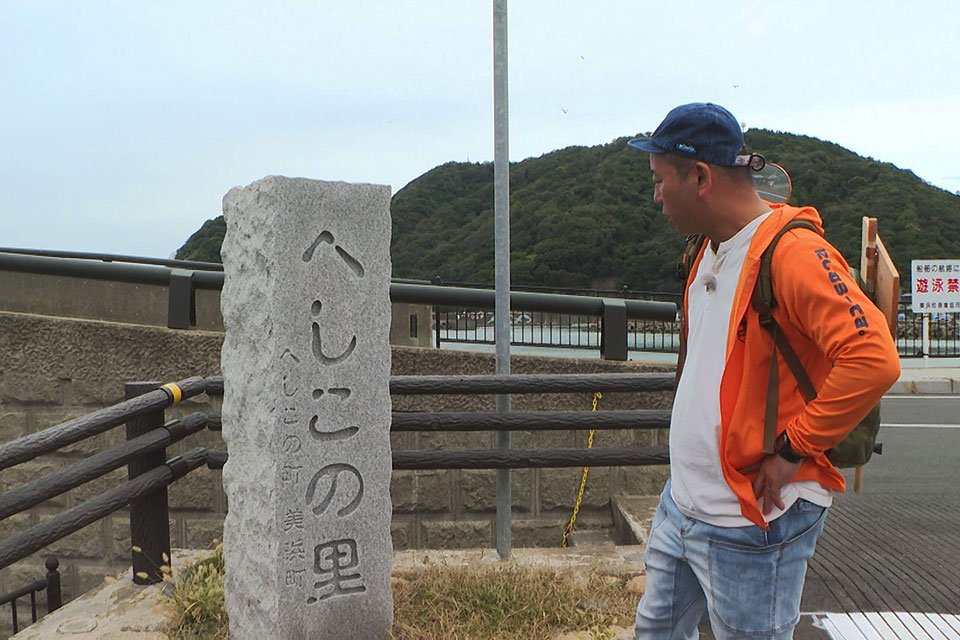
306, 410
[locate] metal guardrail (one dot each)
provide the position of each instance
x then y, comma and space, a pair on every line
112, 257
565, 319
614, 313
50, 583
460, 324
573, 331
182, 284
551, 330
944, 331
99, 270
529, 301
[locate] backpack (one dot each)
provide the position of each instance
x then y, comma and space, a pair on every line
857, 448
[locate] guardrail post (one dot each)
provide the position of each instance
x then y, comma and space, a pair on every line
54, 597
149, 519
613, 330
182, 307
437, 280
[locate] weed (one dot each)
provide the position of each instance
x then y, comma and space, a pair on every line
445, 603
197, 596
507, 601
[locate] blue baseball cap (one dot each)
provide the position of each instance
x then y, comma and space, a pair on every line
699, 130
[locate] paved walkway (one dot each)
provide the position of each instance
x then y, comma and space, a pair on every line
941, 377
881, 553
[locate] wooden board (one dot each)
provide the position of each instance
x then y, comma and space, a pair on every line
888, 286
880, 276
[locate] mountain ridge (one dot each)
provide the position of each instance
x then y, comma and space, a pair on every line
584, 216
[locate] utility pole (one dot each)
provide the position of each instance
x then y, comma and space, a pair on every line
501, 207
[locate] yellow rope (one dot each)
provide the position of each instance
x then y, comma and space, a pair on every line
583, 478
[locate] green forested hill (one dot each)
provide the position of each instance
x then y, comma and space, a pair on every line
585, 217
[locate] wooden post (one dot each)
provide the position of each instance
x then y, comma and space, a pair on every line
868, 256
149, 520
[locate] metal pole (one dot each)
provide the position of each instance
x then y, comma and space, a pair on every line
925, 345
54, 595
501, 207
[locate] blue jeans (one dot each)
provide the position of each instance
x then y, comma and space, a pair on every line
748, 580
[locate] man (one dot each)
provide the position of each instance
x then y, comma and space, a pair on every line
735, 527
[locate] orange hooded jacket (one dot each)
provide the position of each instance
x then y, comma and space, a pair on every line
841, 338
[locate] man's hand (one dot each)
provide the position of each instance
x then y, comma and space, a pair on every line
774, 474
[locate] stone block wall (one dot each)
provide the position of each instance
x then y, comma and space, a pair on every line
457, 508
54, 369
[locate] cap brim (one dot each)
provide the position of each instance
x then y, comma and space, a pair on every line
647, 145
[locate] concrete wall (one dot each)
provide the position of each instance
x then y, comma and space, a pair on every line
147, 304
54, 369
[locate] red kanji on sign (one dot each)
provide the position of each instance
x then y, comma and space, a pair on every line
953, 285
938, 285
923, 285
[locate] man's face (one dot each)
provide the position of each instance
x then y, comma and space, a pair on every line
676, 194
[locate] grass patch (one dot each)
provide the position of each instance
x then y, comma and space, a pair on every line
507, 601
449, 603
197, 597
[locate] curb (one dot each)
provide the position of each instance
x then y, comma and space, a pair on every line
925, 386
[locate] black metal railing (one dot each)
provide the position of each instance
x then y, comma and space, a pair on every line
49, 583
560, 329
145, 492
113, 257
944, 332
577, 321
552, 330
541, 316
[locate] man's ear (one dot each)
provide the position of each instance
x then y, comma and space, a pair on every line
704, 175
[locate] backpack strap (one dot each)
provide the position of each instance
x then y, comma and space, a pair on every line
684, 266
688, 257
764, 303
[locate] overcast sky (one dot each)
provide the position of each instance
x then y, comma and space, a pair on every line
124, 123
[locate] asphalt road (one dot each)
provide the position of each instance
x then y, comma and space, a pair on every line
923, 455
944, 410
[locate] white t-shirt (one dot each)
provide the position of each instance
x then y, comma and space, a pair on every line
698, 485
